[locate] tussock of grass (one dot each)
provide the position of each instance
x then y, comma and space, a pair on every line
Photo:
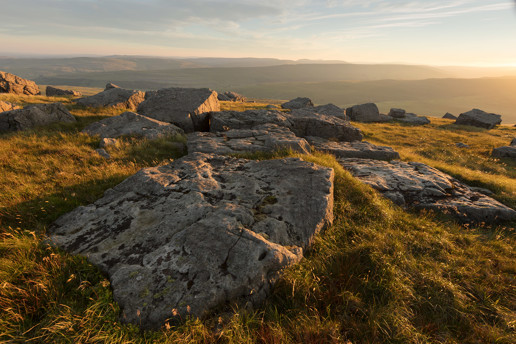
378, 274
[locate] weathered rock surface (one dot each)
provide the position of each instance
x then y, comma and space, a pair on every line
262, 138
54, 91
34, 115
418, 185
362, 150
10, 83
226, 120
110, 85
449, 116
461, 145
184, 107
513, 142
306, 124
365, 113
298, 103
114, 97
504, 152
414, 119
6, 106
328, 109
200, 232
397, 113
479, 118
231, 97
130, 123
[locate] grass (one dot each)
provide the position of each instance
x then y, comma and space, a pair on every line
378, 275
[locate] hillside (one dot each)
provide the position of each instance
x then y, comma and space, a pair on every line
379, 274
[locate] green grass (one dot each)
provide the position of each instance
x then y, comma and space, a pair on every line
378, 275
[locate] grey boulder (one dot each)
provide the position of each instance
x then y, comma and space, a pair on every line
226, 120
114, 97
298, 103
262, 138
306, 124
200, 232
397, 113
414, 119
110, 85
479, 118
363, 150
130, 123
34, 115
184, 107
328, 109
231, 96
449, 116
54, 91
10, 83
365, 113
412, 184
504, 152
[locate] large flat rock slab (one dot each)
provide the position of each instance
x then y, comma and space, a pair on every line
114, 97
34, 115
264, 138
130, 123
226, 120
10, 83
357, 149
413, 184
184, 107
479, 118
200, 232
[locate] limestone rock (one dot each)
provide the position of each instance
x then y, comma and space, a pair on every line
417, 185
504, 152
298, 103
364, 113
397, 113
363, 150
226, 120
328, 109
10, 83
184, 107
449, 116
479, 118
130, 123
114, 97
34, 115
6, 106
102, 152
306, 124
110, 85
200, 232
412, 118
54, 91
231, 96
106, 141
262, 138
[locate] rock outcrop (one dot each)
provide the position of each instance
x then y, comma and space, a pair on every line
328, 109
414, 119
231, 97
184, 107
114, 97
449, 116
226, 120
362, 150
130, 123
397, 113
110, 85
479, 118
298, 103
417, 185
34, 115
6, 106
262, 138
366, 113
200, 232
10, 83
54, 91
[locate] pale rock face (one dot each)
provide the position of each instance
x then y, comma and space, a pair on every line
200, 232
130, 123
34, 115
479, 118
418, 185
298, 103
262, 138
357, 149
184, 107
10, 83
114, 97
6, 106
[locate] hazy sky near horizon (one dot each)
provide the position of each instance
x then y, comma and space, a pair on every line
455, 32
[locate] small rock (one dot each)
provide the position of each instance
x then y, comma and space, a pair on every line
365, 113
397, 113
54, 91
479, 118
414, 119
114, 97
232, 97
298, 103
461, 145
328, 109
102, 152
110, 85
105, 142
449, 116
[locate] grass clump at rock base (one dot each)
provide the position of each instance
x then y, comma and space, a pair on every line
379, 274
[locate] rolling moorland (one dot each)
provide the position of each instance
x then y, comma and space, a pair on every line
425, 90
379, 274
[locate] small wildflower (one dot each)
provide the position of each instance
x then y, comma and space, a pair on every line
188, 309
174, 312
138, 313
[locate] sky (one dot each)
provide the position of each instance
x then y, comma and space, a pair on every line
454, 32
